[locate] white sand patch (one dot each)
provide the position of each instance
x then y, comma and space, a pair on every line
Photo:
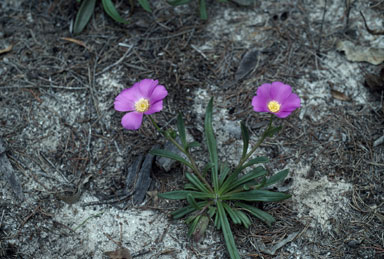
110, 86
346, 77
142, 230
320, 199
55, 108
241, 25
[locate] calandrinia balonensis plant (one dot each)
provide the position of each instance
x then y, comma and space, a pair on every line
229, 192
88, 6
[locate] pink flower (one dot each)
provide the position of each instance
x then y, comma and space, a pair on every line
144, 97
276, 98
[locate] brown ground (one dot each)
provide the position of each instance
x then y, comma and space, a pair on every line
54, 108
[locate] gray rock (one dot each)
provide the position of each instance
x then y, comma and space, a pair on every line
247, 64
233, 128
167, 163
353, 243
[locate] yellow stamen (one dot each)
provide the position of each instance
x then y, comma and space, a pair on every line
274, 106
142, 105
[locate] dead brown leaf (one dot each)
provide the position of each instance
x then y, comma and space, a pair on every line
119, 253
356, 53
339, 95
78, 42
7, 49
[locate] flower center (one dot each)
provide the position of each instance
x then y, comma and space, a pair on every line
142, 105
274, 106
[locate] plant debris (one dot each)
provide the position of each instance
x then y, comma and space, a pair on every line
373, 32
8, 173
339, 95
355, 53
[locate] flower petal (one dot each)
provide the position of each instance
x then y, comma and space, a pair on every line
125, 101
146, 87
159, 93
282, 114
132, 120
259, 104
155, 107
291, 103
288, 106
264, 92
279, 91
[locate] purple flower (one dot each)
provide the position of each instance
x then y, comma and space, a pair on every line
144, 97
276, 98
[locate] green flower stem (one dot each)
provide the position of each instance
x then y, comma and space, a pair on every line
193, 163
259, 142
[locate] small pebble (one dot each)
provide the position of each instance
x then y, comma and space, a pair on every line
353, 243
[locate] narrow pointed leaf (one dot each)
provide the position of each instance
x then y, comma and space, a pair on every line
245, 137
257, 195
192, 226
255, 173
145, 5
192, 202
235, 219
211, 143
177, 214
83, 15
227, 184
110, 9
254, 161
193, 144
182, 212
224, 170
189, 186
178, 2
168, 154
234, 175
211, 211
181, 129
231, 182
217, 222
277, 177
262, 215
196, 182
227, 232
243, 218
203, 10
190, 219
182, 195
